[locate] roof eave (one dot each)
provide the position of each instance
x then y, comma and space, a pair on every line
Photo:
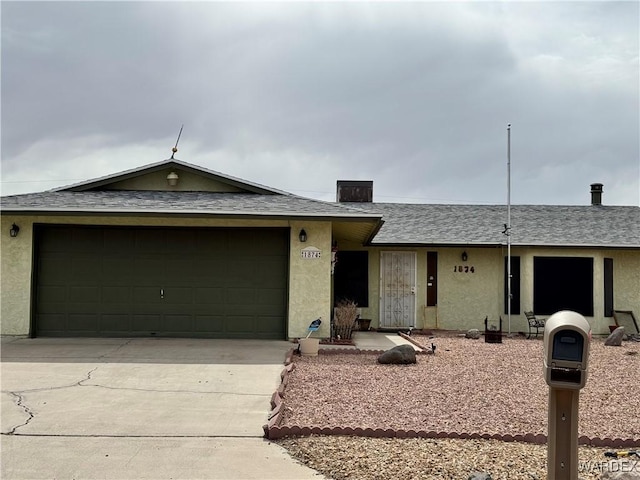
176, 212
499, 245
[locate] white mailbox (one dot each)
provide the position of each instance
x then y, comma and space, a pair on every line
567, 337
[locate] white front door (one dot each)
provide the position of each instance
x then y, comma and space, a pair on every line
397, 289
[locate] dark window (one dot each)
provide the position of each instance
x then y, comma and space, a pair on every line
351, 277
515, 285
608, 287
563, 283
432, 279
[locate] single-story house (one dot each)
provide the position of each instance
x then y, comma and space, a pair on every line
172, 249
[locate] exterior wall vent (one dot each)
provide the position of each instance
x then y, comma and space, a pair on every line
596, 194
354, 191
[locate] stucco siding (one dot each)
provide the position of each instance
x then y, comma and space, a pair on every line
15, 284
467, 295
310, 279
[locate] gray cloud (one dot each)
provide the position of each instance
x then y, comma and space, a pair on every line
414, 96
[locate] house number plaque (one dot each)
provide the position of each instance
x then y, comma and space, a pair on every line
311, 252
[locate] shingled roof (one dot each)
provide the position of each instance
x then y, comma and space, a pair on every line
404, 224
531, 225
176, 203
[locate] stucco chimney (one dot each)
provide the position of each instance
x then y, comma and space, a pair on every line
354, 191
596, 194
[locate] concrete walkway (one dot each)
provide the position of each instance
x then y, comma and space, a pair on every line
379, 341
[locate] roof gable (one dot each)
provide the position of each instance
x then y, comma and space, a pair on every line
154, 177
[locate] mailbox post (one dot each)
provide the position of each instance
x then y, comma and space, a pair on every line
567, 336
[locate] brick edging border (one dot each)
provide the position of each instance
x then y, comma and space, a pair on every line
273, 430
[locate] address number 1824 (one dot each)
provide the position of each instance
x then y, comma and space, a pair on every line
464, 269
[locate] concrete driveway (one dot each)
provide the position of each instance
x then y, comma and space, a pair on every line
148, 408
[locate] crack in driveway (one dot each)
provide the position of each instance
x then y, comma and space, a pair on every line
19, 399
116, 350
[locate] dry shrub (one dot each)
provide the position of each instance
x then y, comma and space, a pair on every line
346, 313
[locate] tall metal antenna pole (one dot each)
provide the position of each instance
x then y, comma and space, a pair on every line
175, 149
508, 227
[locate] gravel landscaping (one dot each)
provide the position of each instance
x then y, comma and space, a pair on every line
468, 386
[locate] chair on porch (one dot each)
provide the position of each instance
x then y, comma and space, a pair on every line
626, 319
537, 323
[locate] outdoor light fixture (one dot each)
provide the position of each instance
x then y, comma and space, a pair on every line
302, 236
172, 179
464, 256
14, 230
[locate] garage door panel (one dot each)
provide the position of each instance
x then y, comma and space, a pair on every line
242, 272
216, 282
180, 240
177, 296
148, 240
116, 295
146, 323
56, 269
52, 323
51, 295
179, 270
212, 324
267, 324
118, 240
210, 241
82, 323
148, 270
269, 310
272, 297
118, 271
209, 296
86, 271
177, 323
268, 269
238, 324
239, 296
244, 240
56, 240
209, 273
145, 295
115, 323
84, 294
88, 240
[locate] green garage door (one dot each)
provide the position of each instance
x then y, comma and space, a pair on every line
188, 282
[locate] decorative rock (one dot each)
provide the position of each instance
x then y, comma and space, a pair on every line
474, 333
479, 476
615, 339
402, 354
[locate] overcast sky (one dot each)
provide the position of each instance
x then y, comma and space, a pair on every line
414, 96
